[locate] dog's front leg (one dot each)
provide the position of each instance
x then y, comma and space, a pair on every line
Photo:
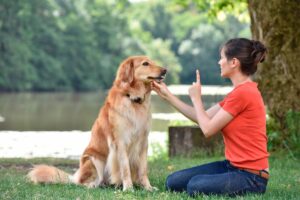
143, 169
124, 166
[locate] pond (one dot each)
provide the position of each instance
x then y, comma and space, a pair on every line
65, 111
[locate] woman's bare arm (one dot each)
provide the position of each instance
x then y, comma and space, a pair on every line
186, 109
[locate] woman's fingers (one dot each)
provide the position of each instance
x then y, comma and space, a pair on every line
159, 85
156, 85
198, 76
160, 89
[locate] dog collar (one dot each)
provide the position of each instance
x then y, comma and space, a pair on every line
138, 100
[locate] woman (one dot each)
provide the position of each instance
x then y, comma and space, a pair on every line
242, 119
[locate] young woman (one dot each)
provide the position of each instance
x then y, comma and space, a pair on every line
242, 119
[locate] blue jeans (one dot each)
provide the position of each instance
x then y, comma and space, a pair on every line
216, 178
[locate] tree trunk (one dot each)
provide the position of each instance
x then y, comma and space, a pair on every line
190, 141
277, 24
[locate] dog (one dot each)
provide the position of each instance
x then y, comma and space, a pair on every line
117, 151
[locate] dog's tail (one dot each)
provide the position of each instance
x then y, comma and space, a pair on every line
49, 174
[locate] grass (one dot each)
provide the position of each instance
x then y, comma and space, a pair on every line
284, 182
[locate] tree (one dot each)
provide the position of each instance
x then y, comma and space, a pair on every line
201, 48
61, 45
276, 23
193, 40
16, 72
152, 32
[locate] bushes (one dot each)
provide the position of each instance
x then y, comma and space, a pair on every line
287, 137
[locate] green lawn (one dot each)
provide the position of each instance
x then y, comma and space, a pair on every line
284, 182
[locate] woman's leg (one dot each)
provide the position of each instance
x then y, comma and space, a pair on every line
178, 180
235, 182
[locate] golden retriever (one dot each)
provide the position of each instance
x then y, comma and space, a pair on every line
117, 151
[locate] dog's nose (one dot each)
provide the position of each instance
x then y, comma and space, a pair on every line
163, 71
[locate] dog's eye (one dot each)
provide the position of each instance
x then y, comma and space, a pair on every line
145, 63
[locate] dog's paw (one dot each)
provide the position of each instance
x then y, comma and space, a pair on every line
93, 184
151, 188
128, 187
90, 185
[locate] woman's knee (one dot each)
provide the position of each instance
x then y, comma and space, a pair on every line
196, 186
173, 182
170, 182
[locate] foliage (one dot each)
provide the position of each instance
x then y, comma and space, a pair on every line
194, 41
274, 134
199, 49
216, 8
158, 151
288, 139
78, 45
147, 24
293, 130
61, 45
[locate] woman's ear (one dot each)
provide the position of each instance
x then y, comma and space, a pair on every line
235, 62
126, 71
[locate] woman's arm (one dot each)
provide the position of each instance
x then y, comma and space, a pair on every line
209, 125
187, 110
212, 111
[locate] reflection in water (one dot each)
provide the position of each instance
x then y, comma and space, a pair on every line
2, 119
66, 111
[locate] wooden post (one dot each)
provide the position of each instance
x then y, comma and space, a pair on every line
188, 140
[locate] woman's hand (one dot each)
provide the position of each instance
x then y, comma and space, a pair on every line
161, 89
195, 89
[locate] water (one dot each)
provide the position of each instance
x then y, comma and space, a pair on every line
66, 111
31, 123
30, 144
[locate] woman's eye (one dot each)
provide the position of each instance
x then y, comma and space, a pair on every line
145, 63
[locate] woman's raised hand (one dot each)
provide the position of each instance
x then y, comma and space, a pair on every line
195, 89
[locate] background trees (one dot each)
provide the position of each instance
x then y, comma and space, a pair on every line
77, 45
194, 39
60, 45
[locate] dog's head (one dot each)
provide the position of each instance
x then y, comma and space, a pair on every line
139, 68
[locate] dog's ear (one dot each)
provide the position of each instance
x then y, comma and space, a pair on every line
126, 71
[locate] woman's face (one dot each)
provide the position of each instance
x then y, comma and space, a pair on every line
225, 65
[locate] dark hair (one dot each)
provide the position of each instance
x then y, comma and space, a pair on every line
248, 52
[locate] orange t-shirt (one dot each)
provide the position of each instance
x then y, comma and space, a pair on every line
245, 136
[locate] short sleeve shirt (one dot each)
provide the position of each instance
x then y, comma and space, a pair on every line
245, 136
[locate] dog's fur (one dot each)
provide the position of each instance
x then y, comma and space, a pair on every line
117, 152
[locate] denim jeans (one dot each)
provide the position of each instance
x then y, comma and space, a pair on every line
216, 178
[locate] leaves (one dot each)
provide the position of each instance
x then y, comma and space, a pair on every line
58, 45
78, 45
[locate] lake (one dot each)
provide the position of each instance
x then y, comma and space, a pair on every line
65, 111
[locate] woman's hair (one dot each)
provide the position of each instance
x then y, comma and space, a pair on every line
248, 52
